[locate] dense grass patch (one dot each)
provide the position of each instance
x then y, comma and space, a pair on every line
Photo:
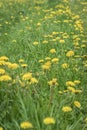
43, 65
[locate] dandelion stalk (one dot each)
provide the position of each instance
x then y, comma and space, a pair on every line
51, 96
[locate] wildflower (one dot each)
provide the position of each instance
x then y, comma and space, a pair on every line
54, 33
2, 62
52, 51
12, 65
1, 128
78, 91
55, 60
21, 60
5, 58
70, 83
26, 125
14, 41
77, 81
65, 91
71, 89
49, 120
27, 76
57, 38
47, 58
60, 92
33, 80
77, 104
62, 41
54, 40
24, 65
40, 61
2, 71
85, 65
66, 21
38, 24
85, 120
77, 56
70, 53
45, 42
53, 82
5, 78
35, 43
66, 109
65, 66
6, 22
76, 43
83, 45
46, 66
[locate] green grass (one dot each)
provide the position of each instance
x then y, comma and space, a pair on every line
29, 30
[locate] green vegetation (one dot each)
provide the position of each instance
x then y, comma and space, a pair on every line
43, 65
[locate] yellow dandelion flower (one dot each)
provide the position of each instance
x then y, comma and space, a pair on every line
21, 60
5, 78
2, 62
53, 82
52, 51
24, 65
61, 41
57, 38
66, 109
40, 61
85, 65
54, 40
78, 91
27, 76
45, 42
77, 104
54, 33
77, 81
65, 91
70, 53
2, 71
85, 120
65, 21
4, 58
12, 65
26, 125
71, 89
14, 41
60, 92
65, 66
6, 22
55, 60
46, 66
49, 120
83, 45
47, 58
1, 128
76, 43
70, 83
35, 43
38, 24
33, 80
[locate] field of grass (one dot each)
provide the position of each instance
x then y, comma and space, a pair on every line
43, 64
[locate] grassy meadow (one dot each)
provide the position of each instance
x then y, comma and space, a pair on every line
43, 65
